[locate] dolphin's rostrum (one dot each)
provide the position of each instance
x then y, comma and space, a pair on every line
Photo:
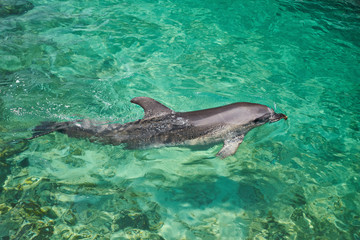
163, 126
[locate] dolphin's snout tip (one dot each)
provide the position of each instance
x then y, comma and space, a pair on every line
282, 116
277, 117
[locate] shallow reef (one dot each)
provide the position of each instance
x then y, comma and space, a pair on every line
38, 208
14, 7
48, 208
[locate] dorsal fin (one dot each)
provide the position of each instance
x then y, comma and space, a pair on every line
152, 108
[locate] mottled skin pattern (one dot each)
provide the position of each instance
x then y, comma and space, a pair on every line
162, 126
166, 130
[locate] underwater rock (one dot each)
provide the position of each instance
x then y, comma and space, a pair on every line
4, 209
4, 172
133, 219
155, 218
70, 218
135, 224
320, 227
141, 234
44, 233
22, 216
49, 212
268, 228
35, 208
2, 105
34, 231
250, 194
32, 209
14, 7
24, 163
294, 196
303, 227
8, 150
25, 232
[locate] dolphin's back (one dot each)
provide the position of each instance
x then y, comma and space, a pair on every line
170, 129
234, 114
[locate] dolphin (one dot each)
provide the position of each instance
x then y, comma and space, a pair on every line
162, 126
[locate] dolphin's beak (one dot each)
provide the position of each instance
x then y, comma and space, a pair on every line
277, 116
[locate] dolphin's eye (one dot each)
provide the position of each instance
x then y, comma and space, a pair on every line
262, 119
258, 120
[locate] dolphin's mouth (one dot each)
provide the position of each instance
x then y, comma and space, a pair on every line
277, 116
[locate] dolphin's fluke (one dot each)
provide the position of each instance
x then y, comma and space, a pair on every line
46, 128
152, 108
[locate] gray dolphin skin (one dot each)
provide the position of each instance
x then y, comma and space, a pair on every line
162, 126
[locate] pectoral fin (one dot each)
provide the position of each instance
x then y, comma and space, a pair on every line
230, 146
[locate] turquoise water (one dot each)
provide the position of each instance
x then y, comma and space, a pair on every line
298, 179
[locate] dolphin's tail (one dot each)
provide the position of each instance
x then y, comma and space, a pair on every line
46, 128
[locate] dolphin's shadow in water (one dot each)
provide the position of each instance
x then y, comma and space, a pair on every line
203, 191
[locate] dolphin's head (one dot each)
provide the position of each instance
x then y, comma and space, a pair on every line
236, 115
265, 114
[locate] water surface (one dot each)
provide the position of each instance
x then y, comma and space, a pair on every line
64, 60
